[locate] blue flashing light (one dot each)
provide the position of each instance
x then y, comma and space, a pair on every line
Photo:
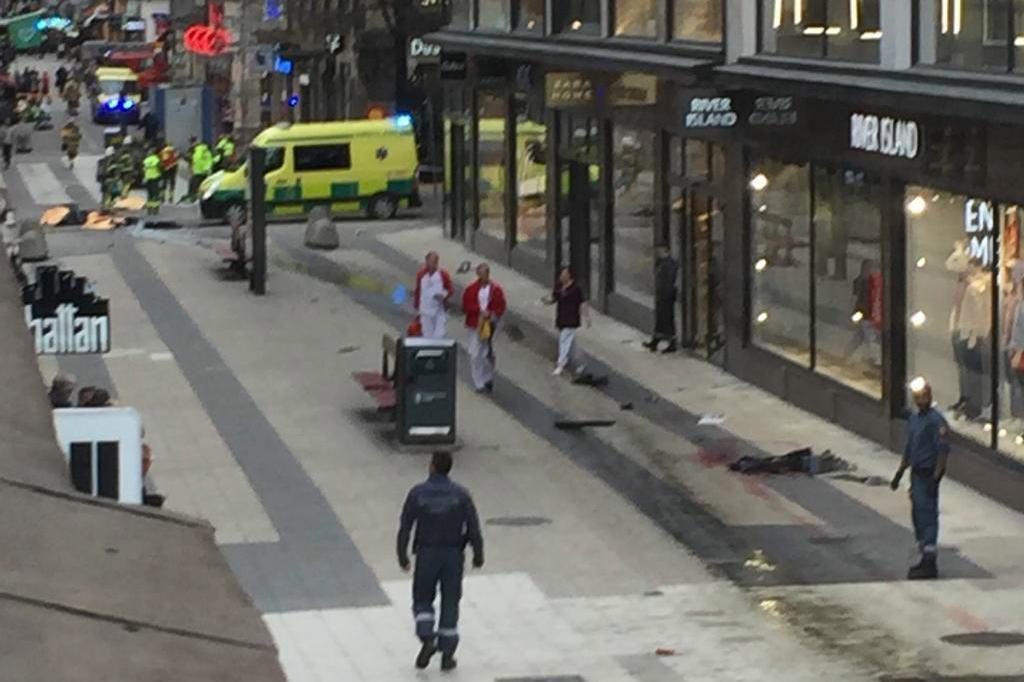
282, 65
127, 104
293, 101
403, 120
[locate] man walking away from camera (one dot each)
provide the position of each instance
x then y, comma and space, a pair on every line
446, 521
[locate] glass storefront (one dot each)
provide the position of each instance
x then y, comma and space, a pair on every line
965, 285
849, 30
577, 16
981, 35
817, 282
633, 178
531, 177
492, 116
636, 18
529, 16
492, 14
697, 20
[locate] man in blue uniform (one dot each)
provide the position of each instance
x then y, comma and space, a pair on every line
925, 454
446, 521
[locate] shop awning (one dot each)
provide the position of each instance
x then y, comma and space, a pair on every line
571, 53
919, 90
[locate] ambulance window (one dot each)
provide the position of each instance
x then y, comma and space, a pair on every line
322, 157
274, 159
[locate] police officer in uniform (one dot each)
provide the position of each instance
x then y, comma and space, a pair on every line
925, 454
446, 521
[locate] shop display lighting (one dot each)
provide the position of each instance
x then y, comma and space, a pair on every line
917, 205
761, 264
762, 317
1019, 440
988, 427
918, 319
576, 24
814, 30
921, 262
871, 35
759, 182
857, 317
917, 384
1002, 433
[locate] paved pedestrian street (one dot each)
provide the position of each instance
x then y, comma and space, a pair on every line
622, 554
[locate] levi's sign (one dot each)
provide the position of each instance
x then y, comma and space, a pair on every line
884, 135
64, 314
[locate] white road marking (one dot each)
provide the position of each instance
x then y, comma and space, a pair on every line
42, 183
85, 174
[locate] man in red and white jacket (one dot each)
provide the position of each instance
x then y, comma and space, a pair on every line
483, 301
433, 291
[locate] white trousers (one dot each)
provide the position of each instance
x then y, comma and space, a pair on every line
480, 365
567, 355
435, 325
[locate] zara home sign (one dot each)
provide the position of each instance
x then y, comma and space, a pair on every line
64, 314
884, 135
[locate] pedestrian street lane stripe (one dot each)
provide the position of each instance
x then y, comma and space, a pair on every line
85, 174
42, 183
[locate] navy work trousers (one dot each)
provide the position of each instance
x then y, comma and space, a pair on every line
924, 509
444, 566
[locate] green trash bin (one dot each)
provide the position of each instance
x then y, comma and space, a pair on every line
425, 391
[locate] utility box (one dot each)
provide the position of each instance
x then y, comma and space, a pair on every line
184, 111
103, 449
425, 377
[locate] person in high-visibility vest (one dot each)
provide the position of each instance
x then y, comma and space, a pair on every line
169, 170
202, 166
224, 152
153, 177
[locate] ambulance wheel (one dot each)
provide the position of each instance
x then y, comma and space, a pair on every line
382, 207
235, 213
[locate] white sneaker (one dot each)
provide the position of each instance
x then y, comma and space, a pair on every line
558, 370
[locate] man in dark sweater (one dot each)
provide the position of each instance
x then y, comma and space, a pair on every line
570, 308
666, 270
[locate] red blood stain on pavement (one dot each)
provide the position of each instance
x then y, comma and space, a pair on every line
710, 458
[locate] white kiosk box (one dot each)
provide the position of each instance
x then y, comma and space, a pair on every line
103, 448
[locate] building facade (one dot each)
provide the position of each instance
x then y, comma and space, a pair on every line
838, 179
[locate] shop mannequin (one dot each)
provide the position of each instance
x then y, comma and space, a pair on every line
958, 262
974, 328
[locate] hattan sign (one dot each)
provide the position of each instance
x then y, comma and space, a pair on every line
884, 135
64, 314
980, 226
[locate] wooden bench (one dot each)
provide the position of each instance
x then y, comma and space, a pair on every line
381, 385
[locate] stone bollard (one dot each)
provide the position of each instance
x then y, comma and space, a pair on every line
320, 230
32, 242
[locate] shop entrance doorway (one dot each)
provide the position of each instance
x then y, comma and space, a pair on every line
697, 230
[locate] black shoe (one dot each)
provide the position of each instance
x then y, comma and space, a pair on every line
489, 387
426, 653
926, 569
651, 345
670, 348
448, 662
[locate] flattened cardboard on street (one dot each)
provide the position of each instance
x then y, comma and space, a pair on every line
94, 590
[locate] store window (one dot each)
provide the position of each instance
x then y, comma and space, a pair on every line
633, 164
697, 20
817, 282
780, 205
849, 30
636, 18
577, 16
529, 16
848, 280
492, 14
492, 115
531, 177
965, 305
459, 14
981, 35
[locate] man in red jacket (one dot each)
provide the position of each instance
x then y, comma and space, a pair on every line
483, 301
433, 290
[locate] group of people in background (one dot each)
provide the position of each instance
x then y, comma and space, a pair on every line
62, 391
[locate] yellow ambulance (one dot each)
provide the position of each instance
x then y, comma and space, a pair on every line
364, 166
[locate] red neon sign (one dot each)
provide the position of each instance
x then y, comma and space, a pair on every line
209, 39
